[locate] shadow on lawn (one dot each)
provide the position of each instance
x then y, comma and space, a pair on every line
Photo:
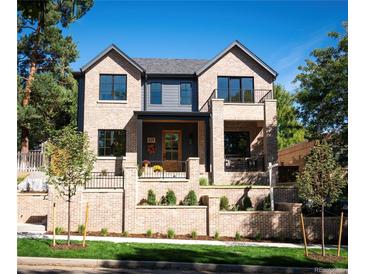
218, 257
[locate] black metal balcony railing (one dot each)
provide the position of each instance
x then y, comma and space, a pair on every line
232, 163
238, 96
163, 170
105, 180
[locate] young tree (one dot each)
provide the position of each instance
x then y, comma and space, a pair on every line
71, 163
323, 93
322, 179
43, 48
290, 131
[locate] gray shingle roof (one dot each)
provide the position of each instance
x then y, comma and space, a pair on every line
170, 66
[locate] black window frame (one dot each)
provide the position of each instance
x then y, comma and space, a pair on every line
246, 153
155, 82
113, 94
241, 100
124, 132
191, 94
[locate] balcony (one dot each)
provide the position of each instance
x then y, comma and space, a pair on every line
244, 164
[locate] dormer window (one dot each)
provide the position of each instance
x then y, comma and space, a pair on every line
113, 87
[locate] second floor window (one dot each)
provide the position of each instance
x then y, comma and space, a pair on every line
113, 87
236, 89
111, 142
185, 94
156, 93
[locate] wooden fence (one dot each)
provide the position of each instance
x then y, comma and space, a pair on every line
31, 161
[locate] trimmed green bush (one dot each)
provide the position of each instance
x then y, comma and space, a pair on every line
194, 234
216, 235
246, 203
170, 197
170, 233
258, 236
125, 234
190, 199
151, 197
203, 181
237, 236
59, 230
224, 203
149, 233
104, 232
81, 229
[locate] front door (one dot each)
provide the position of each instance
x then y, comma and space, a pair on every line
171, 150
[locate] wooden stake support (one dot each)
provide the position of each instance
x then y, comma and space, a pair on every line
304, 237
340, 236
86, 220
54, 224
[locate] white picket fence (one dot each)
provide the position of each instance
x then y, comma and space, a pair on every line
31, 161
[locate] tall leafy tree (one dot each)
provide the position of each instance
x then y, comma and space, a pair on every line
322, 180
290, 131
42, 48
323, 92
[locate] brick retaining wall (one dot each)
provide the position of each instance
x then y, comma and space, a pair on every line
331, 228
32, 207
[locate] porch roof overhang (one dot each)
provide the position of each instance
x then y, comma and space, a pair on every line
171, 115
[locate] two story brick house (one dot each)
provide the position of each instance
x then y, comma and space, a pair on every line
165, 111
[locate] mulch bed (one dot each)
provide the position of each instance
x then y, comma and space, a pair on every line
325, 259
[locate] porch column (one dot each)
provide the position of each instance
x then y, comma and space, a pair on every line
217, 140
130, 198
270, 132
139, 140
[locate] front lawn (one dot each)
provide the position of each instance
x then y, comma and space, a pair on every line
270, 256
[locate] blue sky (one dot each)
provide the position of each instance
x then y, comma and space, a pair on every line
282, 33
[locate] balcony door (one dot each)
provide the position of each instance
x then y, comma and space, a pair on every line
171, 150
236, 89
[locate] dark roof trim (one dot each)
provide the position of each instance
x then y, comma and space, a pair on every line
121, 53
243, 48
174, 75
178, 115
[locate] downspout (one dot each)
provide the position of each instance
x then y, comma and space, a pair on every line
145, 92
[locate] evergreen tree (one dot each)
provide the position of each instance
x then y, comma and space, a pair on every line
42, 48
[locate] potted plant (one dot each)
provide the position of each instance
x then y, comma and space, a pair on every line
157, 168
146, 163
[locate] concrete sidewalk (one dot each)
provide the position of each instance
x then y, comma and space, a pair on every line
95, 263
169, 241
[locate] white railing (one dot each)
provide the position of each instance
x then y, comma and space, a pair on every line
31, 161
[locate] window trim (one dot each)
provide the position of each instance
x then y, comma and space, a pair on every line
110, 156
191, 93
150, 91
126, 87
241, 89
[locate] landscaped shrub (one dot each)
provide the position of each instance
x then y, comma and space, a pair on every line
194, 234
151, 197
143, 202
190, 199
104, 172
149, 233
104, 232
265, 204
170, 233
224, 204
216, 235
203, 181
81, 229
237, 236
59, 230
170, 197
246, 203
125, 234
258, 236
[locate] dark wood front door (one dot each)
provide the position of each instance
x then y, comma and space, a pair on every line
171, 150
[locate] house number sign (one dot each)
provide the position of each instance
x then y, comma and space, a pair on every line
151, 140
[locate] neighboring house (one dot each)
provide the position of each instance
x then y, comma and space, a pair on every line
294, 156
221, 110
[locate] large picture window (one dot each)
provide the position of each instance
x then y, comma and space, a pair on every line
237, 144
185, 93
236, 89
156, 93
113, 87
111, 142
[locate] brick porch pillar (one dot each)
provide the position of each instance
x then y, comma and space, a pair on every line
213, 214
193, 172
217, 140
130, 197
270, 132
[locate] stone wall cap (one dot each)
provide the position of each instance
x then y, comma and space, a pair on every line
169, 207
254, 212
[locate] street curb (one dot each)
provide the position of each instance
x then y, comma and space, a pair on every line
162, 265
